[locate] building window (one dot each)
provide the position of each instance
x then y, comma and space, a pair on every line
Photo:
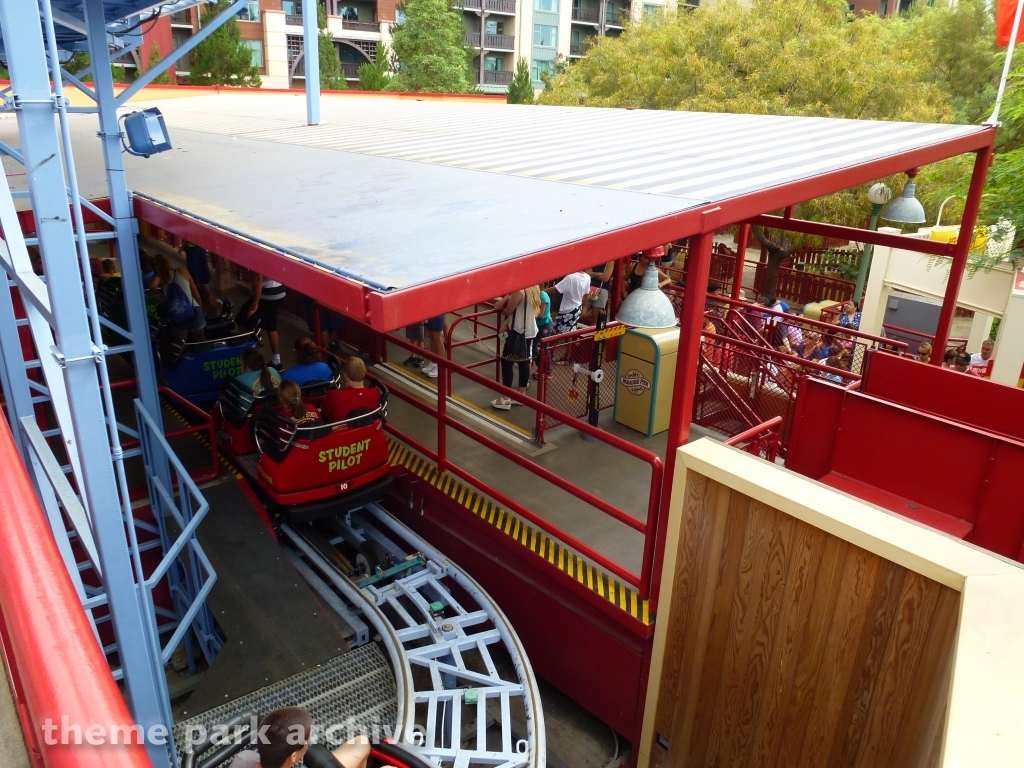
294, 47
539, 68
256, 48
693, 3
399, 16
548, 6
291, 7
545, 35
650, 11
495, 27
250, 11
494, 63
348, 12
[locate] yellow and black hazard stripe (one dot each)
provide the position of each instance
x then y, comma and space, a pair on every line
202, 439
534, 539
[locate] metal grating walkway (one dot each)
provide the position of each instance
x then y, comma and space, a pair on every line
355, 690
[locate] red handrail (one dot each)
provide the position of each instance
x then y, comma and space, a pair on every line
48, 643
475, 317
206, 425
754, 431
648, 528
950, 342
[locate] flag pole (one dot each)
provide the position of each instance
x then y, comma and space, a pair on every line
994, 117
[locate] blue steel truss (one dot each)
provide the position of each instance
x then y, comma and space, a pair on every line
52, 352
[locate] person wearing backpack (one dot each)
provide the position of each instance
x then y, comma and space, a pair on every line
180, 294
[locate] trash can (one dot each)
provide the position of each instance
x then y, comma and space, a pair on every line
645, 377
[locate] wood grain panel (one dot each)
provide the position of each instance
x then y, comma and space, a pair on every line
788, 646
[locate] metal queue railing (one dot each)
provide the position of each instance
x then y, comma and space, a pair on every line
446, 369
761, 440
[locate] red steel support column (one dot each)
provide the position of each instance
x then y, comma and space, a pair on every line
691, 322
62, 670
982, 162
741, 257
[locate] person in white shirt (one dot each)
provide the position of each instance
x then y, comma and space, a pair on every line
981, 362
573, 288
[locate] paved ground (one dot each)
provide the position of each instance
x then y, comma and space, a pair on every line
12, 745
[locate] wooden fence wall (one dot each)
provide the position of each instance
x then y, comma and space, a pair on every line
789, 646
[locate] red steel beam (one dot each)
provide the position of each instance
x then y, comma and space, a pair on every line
741, 258
691, 323
960, 253
62, 670
334, 291
933, 247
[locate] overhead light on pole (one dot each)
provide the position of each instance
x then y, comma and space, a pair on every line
648, 306
878, 195
906, 209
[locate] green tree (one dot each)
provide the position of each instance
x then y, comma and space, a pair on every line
376, 76
520, 90
802, 57
154, 59
330, 68
429, 48
221, 59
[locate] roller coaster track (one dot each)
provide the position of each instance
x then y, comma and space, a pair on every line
445, 639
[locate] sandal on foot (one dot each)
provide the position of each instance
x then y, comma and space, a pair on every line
502, 404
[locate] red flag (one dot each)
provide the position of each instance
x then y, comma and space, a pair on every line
1005, 12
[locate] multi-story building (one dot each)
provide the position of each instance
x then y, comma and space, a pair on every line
498, 32
273, 31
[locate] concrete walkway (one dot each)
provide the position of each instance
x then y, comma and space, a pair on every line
13, 753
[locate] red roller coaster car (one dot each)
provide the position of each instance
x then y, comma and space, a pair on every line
310, 471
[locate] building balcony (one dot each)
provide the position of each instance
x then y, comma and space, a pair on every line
491, 77
182, 18
578, 49
586, 15
350, 70
492, 6
491, 42
293, 20
616, 19
360, 26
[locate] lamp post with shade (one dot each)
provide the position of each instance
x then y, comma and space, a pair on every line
878, 195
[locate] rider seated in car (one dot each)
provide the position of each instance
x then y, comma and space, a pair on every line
308, 365
289, 395
339, 403
256, 374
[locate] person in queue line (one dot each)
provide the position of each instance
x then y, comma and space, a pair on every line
981, 362
545, 328
308, 365
634, 274
339, 403
285, 735
597, 297
267, 297
256, 374
414, 335
840, 363
949, 358
849, 317
181, 296
519, 311
572, 288
924, 351
435, 335
197, 262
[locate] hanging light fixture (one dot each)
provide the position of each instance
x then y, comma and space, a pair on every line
906, 209
647, 306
